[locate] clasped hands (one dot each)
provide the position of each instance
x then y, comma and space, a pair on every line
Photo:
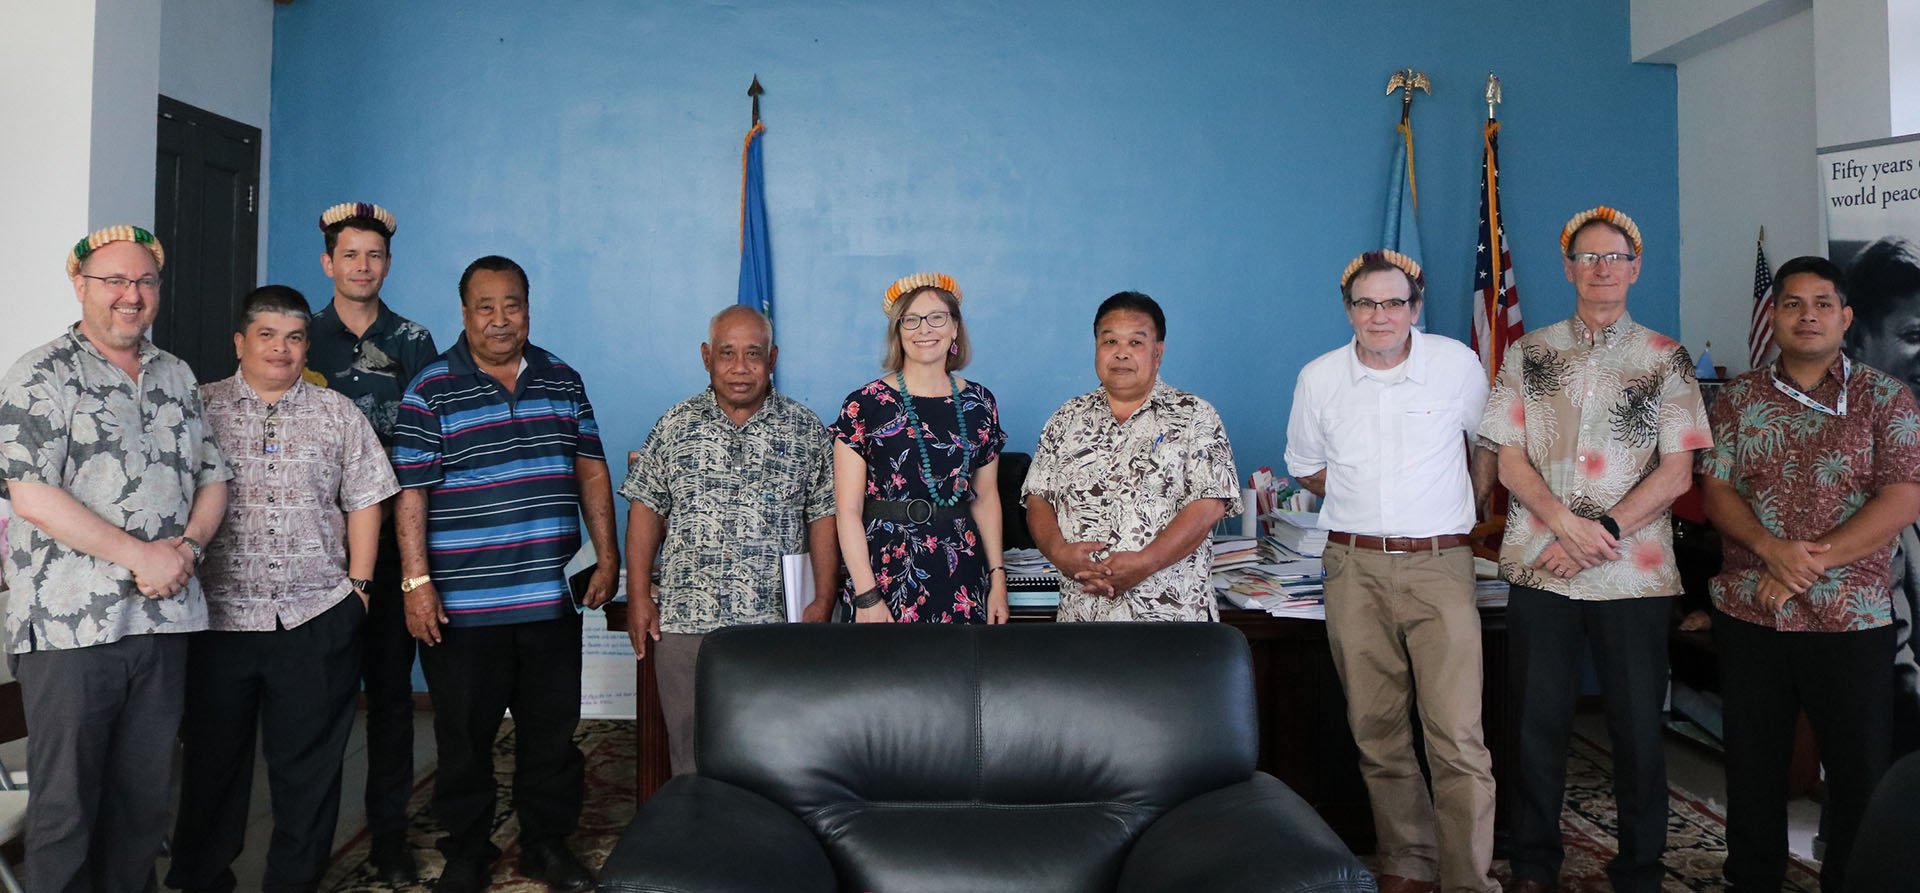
1579, 543
162, 568
1793, 567
1101, 571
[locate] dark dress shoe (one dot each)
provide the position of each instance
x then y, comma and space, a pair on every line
1531, 887
464, 876
1393, 883
550, 861
392, 860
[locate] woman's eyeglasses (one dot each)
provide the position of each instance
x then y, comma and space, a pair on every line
937, 319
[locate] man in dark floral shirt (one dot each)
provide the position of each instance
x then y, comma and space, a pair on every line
362, 349
1815, 469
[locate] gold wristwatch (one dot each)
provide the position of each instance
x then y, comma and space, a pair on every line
412, 583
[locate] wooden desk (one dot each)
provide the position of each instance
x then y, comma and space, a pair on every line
1303, 723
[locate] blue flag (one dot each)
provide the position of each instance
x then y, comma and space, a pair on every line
1401, 231
756, 256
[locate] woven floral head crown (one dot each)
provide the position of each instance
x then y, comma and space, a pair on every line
121, 233
1618, 219
368, 210
1406, 265
906, 284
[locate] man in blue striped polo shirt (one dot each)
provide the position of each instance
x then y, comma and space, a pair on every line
498, 455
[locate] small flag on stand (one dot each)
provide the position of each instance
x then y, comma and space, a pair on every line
1760, 330
1496, 308
756, 256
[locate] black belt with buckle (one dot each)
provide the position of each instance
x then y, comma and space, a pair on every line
916, 511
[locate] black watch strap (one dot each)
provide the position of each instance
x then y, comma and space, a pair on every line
1612, 526
360, 585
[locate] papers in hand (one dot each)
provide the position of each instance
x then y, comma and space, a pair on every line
796, 575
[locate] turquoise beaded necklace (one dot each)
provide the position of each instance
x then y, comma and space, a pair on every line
913, 419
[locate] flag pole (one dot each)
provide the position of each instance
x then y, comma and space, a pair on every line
753, 91
1493, 205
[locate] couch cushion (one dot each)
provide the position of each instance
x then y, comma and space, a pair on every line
811, 716
975, 847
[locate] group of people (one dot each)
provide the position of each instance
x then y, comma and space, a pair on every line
228, 565
1810, 469
249, 553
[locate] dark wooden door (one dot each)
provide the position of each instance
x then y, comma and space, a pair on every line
206, 213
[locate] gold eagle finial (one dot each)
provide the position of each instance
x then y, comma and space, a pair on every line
1408, 80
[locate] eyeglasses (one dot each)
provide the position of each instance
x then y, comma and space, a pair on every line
1362, 305
1590, 259
270, 433
148, 284
937, 319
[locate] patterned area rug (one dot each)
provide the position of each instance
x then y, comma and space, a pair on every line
609, 749
1696, 833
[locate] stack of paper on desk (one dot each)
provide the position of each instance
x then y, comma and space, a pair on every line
1298, 531
1235, 552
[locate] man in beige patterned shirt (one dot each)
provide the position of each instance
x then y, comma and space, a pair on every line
1597, 419
1129, 480
286, 587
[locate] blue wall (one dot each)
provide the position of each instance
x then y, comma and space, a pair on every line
1226, 158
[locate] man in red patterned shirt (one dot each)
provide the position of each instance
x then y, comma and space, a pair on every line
1815, 469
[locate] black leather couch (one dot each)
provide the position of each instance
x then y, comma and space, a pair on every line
1021, 758
1886, 854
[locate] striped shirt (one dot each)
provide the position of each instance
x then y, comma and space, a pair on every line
503, 508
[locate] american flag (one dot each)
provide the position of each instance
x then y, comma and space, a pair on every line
1496, 311
1760, 329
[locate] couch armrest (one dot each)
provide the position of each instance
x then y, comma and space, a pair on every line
1255, 835
698, 834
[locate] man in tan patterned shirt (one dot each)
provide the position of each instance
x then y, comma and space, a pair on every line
1129, 481
1597, 419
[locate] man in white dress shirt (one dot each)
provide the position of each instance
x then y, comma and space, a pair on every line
1382, 428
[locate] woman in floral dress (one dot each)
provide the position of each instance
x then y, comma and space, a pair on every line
915, 459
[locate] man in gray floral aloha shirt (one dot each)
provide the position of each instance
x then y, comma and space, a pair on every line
731, 479
1129, 480
116, 483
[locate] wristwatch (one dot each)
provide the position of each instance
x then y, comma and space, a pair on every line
360, 586
1612, 526
412, 583
199, 551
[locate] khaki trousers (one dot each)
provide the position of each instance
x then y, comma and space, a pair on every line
1405, 634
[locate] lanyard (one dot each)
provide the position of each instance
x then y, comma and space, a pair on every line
1846, 376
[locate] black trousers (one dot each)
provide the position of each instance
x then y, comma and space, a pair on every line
1844, 682
103, 720
1628, 639
294, 688
386, 670
478, 673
